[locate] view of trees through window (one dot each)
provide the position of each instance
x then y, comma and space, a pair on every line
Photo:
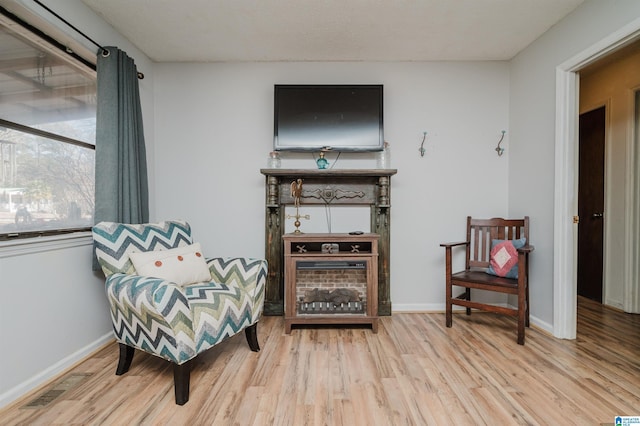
47, 137
46, 184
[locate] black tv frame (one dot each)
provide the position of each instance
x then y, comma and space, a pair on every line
338, 126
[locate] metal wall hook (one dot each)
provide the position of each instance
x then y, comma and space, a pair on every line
421, 149
499, 150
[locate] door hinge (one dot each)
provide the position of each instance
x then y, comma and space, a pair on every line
576, 219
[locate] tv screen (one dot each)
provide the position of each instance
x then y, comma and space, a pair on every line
332, 117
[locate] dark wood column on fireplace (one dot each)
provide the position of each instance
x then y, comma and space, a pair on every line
353, 187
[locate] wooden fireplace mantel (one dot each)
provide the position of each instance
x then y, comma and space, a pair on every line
353, 187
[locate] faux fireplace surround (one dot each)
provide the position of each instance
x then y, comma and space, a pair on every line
347, 187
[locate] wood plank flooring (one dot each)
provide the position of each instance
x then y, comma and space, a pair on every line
413, 372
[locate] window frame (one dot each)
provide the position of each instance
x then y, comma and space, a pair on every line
52, 45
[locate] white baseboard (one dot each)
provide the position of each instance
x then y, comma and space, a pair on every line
417, 307
426, 307
542, 325
46, 375
440, 308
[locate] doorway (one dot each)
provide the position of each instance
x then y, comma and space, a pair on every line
565, 230
591, 163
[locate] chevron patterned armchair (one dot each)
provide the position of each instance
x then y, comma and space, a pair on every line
168, 314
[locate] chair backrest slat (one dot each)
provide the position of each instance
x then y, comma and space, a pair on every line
481, 233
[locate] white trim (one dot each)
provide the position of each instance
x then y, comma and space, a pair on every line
27, 246
422, 308
608, 220
564, 271
631, 290
542, 325
54, 370
564, 288
430, 308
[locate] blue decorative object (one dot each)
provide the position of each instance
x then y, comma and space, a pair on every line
322, 162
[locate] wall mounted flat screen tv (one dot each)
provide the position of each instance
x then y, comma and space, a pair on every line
330, 117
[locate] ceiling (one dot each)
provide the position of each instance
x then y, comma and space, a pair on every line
331, 30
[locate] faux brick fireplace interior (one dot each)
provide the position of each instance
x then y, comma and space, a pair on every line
315, 287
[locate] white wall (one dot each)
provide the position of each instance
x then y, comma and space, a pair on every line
533, 121
214, 130
53, 309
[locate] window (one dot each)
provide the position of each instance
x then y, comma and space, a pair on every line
47, 136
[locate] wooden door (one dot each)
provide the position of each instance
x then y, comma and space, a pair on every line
591, 203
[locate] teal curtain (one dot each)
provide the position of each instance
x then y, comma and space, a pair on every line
122, 191
122, 188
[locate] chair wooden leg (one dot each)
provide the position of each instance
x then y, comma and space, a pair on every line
448, 307
251, 333
522, 311
181, 378
448, 290
526, 315
520, 333
126, 356
467, 295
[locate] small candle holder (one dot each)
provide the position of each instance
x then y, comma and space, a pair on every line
274, 161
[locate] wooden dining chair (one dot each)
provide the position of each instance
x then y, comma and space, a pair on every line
497, 259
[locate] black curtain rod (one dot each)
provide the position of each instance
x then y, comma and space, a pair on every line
46, 37
105, 52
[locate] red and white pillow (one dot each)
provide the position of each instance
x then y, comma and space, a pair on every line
503, 260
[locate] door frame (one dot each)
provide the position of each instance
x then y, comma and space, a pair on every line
565, 197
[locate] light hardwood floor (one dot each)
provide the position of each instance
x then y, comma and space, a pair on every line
413, 372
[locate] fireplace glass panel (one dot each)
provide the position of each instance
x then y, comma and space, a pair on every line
331, 287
